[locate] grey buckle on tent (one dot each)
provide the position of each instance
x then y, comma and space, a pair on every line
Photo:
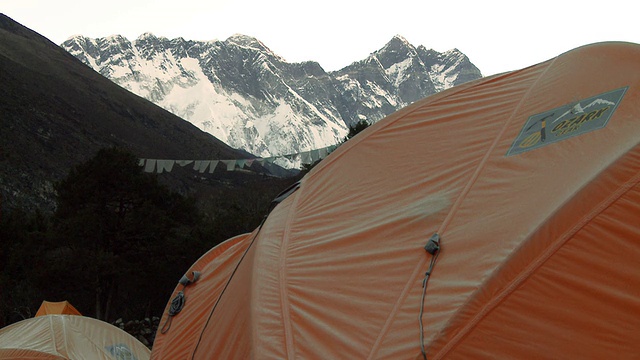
433, 245
176, 304
179, 300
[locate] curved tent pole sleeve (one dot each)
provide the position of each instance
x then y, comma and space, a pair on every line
179, 300
277, 200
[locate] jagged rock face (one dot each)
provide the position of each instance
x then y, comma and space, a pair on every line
242, 93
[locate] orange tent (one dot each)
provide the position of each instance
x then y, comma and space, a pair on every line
68, 337
498, 219
59, 307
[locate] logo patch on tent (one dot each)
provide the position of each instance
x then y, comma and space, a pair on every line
567, 121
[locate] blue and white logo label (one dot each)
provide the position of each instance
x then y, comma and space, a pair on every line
567, 121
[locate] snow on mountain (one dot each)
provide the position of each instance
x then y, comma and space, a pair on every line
249, 97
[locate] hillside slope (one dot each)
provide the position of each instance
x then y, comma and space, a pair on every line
56, 112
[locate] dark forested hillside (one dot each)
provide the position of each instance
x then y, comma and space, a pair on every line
56, 114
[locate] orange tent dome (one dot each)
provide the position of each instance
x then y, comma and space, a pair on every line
498, 219
59, 307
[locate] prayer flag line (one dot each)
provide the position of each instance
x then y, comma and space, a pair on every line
166, 165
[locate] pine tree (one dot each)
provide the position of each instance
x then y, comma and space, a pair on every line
118, 232
353, 131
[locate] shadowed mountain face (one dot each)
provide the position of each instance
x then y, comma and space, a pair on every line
249, 97
56, 112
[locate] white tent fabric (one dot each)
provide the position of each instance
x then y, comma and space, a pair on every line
69, 337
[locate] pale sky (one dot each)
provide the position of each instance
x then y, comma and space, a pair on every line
496, 35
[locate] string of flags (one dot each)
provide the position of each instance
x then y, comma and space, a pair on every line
165, 165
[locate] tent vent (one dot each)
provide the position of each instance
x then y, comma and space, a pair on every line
432, 248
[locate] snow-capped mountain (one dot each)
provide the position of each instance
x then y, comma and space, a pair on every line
249, 97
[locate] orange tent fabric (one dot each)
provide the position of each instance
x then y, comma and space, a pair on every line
68, 337
530, 181
59, 307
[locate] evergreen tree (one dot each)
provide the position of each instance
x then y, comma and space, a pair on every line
353, 131
121, 238
22, 237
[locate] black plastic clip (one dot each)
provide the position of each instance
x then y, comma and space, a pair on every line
433, 245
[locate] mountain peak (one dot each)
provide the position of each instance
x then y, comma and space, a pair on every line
146, 35
398, 42
242, 93
400, 38
397, 50
116, 38
250, 42
247, 41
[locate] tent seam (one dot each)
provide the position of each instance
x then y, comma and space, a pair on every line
53, 336
483, 162
481, 165
544, 257
206, 323
416, 106
66, 338
474, 176
284, 302
99, 348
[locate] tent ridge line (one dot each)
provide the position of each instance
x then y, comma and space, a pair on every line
396, 306
423, 261
540, 260
254, 235
406, 111
474, 177
485, 158
53, 336
64, 331
282, 274
98, 347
